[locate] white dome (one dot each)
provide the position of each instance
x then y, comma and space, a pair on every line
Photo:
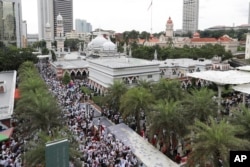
97, 42
109, 46
59, 17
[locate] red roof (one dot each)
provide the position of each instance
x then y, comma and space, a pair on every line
203, 40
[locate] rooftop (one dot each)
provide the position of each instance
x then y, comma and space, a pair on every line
122, 62
184, 62
8, 83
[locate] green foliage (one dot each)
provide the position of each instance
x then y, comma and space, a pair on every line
214, 139
73, 44
45, 51
86, 90
199, 104
168, 116
53, 55
37, 113
114, 94
99, 100
134, 101
66, 78
168, 89
11, 57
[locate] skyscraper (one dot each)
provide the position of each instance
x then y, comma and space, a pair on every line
190, 16
249, 13
82, 26
65, 9
45, 15
11, 22
48, 10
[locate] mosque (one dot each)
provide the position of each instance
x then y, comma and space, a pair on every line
101, 64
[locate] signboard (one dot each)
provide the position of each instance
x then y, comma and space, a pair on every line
57, 153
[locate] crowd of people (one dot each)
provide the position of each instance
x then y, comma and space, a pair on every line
98, 147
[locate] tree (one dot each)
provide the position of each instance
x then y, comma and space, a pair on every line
114, 94
214, 140
53, 55
134, 101
35, 154
242, 118
145, 84
66, 78
199, 104
168, 89
168, 117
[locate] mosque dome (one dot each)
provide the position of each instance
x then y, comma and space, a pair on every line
97, 42
169, 21
109, 46
59, 17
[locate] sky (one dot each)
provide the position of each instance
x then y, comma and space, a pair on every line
127, 15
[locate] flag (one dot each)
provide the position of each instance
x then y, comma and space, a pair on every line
150, 5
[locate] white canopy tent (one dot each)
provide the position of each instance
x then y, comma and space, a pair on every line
232, 77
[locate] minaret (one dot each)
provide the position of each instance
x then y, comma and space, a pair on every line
59, 35
48, 30
48, 36
169, 28
247, 50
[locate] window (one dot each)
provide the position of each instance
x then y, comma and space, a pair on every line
150, 76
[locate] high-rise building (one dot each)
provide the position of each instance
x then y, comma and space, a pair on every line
65, 9
82, 26
249, 14
45, 15
190, 16
11, 22
24, 34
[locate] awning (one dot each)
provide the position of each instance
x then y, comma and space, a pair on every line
232, 77
244, 88
6, 134
17, 94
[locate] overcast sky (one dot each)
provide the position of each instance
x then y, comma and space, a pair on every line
127, 15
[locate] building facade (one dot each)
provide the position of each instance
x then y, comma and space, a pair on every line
190, 16
64, 8
82, 26
11, 22
45, 15
24, 34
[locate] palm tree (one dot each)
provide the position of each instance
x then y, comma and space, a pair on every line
114, 94
199, 104
39, 109
145, 84
168, 89
36, 148
242, 118
31, 84
168, 117
214, 140
134, 101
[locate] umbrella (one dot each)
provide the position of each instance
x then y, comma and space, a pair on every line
5, 135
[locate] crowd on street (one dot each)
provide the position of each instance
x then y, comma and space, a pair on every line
98, 147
